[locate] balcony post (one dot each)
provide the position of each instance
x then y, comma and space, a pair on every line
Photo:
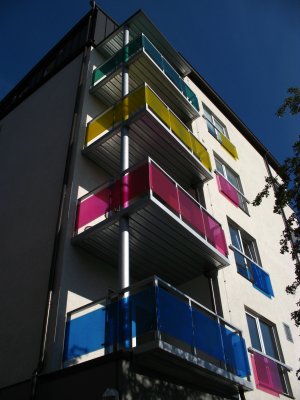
123, 267
124, 280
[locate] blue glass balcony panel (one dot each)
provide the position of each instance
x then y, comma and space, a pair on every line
261, 280
155, 312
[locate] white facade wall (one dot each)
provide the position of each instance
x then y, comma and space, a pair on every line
265, 227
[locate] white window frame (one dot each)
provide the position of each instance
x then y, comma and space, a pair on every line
247, 237
213, 123
277, 346
242, 199
261, 340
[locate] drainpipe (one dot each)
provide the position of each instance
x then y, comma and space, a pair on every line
55, 252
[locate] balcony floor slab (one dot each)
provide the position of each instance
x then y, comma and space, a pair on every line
160, 243
142, 69
182, 366
148, 137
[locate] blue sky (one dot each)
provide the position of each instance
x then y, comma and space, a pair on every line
247, 50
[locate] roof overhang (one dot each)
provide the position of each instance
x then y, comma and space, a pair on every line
139, 23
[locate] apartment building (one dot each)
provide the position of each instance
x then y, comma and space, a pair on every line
133, 263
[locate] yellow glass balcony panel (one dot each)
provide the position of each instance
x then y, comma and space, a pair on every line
118, 112
134, 102
229, 146
180, 131
130, 104
200, 152
100, 125
158, 107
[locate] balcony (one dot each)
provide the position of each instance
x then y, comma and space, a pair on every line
165, 331
170, 232
146, 64
253, 272
154, 130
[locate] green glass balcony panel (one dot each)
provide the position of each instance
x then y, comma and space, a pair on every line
152, 52
128, 52
172, 74
190, 95
132, 48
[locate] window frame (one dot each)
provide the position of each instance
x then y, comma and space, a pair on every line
213, 123
243, 235
259, 319
287, 390
242, 198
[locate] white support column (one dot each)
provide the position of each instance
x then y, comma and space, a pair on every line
123, 268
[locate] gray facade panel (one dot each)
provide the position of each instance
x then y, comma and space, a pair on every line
35, 139
104, 27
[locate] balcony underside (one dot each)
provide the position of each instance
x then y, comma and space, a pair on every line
149, 137
143, 69
182, 367
160, 243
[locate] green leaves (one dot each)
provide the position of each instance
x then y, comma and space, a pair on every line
286, 188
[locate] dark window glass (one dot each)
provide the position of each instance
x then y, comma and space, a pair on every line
219, 167
235, 239
249, 249
269, 340
255, 342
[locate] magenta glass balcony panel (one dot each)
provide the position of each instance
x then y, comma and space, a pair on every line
266, 373
135, 184
228, 190
164, 188
191, 212
214, 233
93, 207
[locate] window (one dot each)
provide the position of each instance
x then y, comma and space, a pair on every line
214, 126
232, 186
247, 260
262, 336
269, 375
219, 131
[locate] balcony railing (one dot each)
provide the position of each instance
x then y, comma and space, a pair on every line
102, 203
226, 143
230, 191
154, 315
270, 374
142, 44
253, 272
144, 98
169, 228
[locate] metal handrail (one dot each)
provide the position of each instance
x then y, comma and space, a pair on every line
242, 194
232, 247
149, 160
157, 281
287, 367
